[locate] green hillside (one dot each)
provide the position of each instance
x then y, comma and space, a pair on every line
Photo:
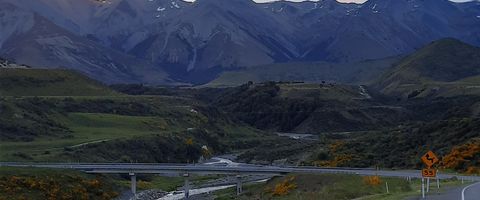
59, 115
303, 108
316, 72
62, 116
352, 116
43, 82
447, 67
99, 129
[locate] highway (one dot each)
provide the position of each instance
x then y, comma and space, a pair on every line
118, 168
470, 191
224, 166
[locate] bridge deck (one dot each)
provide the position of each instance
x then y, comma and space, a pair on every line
109, 168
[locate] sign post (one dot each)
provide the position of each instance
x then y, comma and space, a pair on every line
428, 185
423, 188
438, 186
429, 159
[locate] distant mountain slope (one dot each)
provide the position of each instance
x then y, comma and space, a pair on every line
167, 41
444, 67
34, 40
381, 28
314, 72
42, 82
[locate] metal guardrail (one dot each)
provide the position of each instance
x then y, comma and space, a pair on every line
152, 168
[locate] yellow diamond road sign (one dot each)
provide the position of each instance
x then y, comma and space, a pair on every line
429, 159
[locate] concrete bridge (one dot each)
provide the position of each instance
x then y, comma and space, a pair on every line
186, 170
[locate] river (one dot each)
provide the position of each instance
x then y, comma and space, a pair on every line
176, 195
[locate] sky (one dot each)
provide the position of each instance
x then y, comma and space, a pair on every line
356, 1
345, 1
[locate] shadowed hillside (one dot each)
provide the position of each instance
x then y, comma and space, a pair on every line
446, 67
41, 82
304, 108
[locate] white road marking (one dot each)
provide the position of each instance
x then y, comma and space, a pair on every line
464, 189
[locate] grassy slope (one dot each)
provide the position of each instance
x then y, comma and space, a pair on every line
97, 125
93, 123
326, 186
73, 115
446, 67
359, 73
74, 112
334, 187
320, 91
87, 128
40, 82
416, 190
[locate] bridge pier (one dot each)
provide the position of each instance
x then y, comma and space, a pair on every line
239, 185
133, 183
186, 187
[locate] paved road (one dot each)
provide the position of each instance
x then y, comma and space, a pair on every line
221, 169
470, 192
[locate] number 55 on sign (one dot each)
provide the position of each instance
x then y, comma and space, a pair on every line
429, 173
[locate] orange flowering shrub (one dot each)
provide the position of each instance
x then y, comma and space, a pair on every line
58, 188
372, 180
464, 157
284, 187
339, 159
473, 170
189, 142
336, 145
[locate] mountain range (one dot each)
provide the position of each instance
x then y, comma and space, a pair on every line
172, 41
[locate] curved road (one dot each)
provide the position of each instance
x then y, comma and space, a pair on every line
469, 192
